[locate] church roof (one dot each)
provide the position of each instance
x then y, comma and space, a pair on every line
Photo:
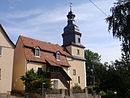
47, 54
71, 26
9, 40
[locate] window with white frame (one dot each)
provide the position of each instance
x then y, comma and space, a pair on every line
37, 52
58, 56
0, 50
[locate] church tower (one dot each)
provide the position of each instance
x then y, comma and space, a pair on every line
72, 36
72, 43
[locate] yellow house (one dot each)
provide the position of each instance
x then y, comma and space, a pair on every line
6, 62
65, 64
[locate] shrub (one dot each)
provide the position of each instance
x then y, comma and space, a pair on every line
33, 81
77, 89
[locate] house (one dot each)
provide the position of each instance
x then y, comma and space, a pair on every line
65, 64
6, 62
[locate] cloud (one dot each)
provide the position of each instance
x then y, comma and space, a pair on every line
23, 14
13, 3
108, 51
42, 24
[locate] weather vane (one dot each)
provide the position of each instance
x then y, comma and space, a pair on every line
70, 6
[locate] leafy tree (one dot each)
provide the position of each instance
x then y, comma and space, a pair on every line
119, 24
117, 80
33, 81
113, 79
94, 68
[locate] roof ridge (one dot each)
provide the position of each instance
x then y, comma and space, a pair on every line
30, 42
7, 36
40, 41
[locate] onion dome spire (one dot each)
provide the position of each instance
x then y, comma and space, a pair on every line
71, 34
71, 27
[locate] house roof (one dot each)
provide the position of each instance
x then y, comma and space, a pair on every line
47, 54
9, 40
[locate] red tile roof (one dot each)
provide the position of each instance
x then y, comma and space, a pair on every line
43, 45
47, 54
29, 54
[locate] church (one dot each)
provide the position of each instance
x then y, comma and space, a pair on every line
65, 64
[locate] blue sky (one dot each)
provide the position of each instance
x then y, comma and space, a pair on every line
45, 19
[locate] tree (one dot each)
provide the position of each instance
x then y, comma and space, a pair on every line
113, 79
116, 80
33, 81
119, 24
94, 68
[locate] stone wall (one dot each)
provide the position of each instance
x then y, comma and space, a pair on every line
8, 96
72, 95
55, 94
78, 95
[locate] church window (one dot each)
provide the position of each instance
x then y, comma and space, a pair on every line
58, 56
78, 79
78, 40
0, 50
37, 52
74, 71
0, 74
55, 84
78, 52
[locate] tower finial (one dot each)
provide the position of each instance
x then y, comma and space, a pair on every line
70, 6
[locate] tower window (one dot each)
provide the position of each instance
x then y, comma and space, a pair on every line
78, 79
78, 52
37, 52
74, 72
78, 40
58, 56
0, 50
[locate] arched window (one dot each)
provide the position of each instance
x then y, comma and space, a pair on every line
37, 52
58, 56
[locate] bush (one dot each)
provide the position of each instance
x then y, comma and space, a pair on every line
109, 94
90, 89
77, 89
33, 81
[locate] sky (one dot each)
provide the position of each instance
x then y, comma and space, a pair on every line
45, 19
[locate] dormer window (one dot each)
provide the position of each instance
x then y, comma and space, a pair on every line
58, 56
37, 52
